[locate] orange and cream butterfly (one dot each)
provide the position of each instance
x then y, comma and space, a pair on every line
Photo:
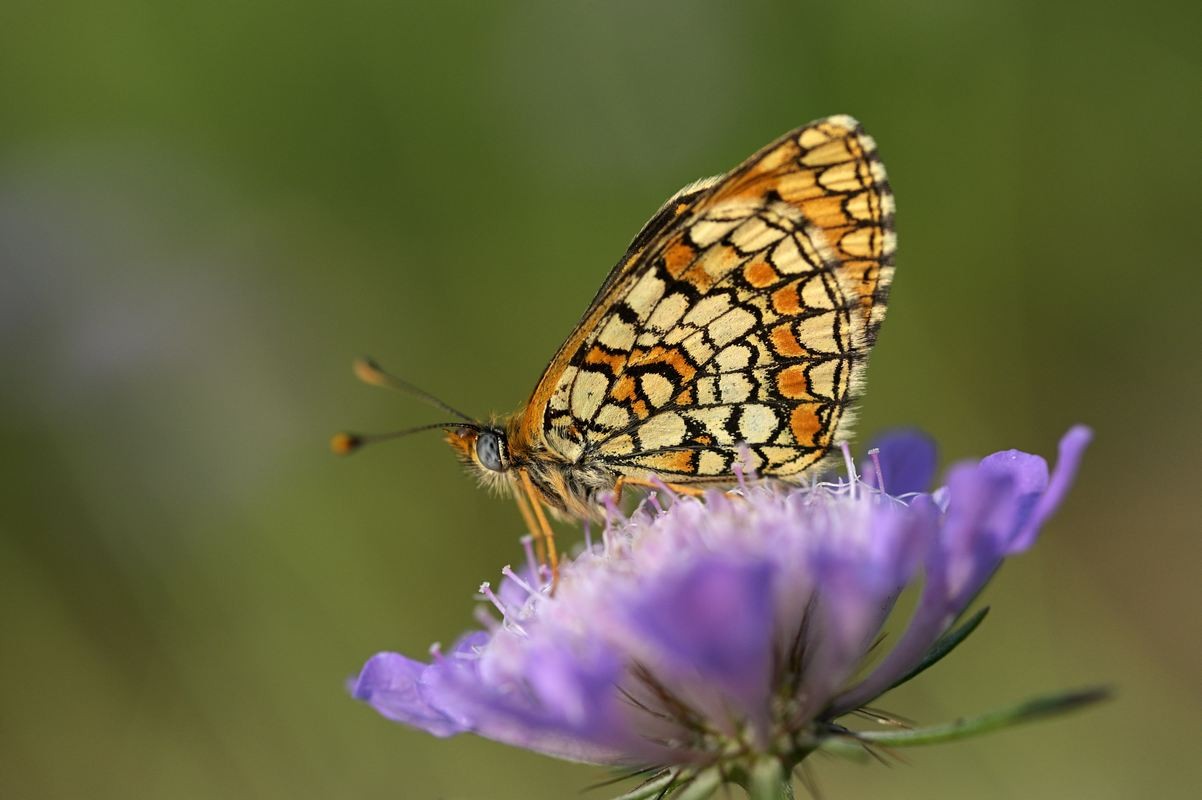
737, 325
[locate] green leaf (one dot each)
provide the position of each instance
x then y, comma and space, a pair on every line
947, 643
655, 787
1029, 711
703, 784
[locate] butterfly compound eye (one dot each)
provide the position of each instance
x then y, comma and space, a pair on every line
489, 451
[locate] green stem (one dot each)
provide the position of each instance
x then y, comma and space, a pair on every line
701, 786
768, 781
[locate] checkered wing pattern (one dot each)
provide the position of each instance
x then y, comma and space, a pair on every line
741, 315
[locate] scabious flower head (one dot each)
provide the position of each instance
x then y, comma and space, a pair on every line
716, 632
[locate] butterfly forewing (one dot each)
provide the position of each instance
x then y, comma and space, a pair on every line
742, 314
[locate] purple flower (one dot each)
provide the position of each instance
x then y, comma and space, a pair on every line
722, 630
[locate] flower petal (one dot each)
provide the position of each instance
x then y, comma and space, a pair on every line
501, 707
714, 618
994, 509
576, 688
856, 594
907, 460
390, 682
1072, 448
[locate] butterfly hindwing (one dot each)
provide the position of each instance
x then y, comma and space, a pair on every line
742, 313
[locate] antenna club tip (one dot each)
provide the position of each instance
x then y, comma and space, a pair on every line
343, 444
366, 370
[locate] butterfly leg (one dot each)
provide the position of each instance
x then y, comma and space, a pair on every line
540, 550
536, 520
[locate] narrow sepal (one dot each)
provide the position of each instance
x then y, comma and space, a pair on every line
1031, 710
658, 786
646, 773
946, 644
844, 747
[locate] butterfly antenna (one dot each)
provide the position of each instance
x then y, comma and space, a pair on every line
371, 373
345, 443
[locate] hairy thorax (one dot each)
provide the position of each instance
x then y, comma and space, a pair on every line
568, 488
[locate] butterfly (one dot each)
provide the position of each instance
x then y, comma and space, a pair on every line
734, 331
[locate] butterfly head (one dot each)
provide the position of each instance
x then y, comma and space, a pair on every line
485, 449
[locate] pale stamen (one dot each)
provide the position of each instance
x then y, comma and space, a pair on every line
508, 572
659, 484
875, 455
612, 512
486, 620
737, 468
852, 478
531, 561
490, 596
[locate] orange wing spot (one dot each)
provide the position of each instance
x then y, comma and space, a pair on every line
826, 212
639, 408
785, 342
677, 258
680, 208
680, 461
699, 279
706, 440
623, 390
685, 398
793, 383
786, 300
805, 424
614, 361
835, 233
679, 362
712, 265
862, 271
673, 357
760, 274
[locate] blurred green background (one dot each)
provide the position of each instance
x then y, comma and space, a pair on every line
207, 209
